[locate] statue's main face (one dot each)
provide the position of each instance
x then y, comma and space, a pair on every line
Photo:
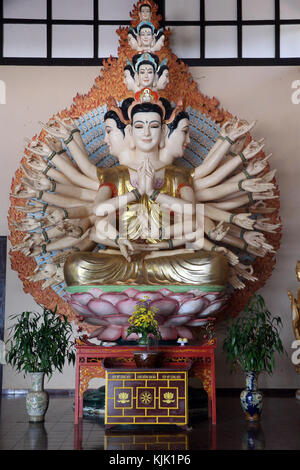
146, 131
179, 139
128, 80
163, 80
146, 75
114, 138
146, 37
145, 13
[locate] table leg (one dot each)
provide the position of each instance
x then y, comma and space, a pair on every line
80, 405
77, 391
212, 437
78, 436
213, 391
206, 373
209, 405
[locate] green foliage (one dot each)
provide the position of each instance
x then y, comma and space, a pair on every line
253, 338
40, 342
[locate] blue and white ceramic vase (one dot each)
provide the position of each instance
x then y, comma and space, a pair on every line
251, 398
37, 399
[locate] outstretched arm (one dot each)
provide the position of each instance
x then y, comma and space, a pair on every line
227, 168
59, 131
225, 189
242, 220
55, 153
229, 134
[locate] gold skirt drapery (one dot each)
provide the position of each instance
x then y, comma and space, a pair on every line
191, 268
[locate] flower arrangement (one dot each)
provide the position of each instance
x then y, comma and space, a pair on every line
142, 322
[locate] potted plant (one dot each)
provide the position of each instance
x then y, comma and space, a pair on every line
251, 342
143, 323
39, 343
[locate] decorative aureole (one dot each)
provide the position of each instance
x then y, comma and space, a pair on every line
166, 196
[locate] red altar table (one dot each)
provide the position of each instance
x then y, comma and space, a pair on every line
89, 365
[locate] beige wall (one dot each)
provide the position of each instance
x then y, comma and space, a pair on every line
253, 93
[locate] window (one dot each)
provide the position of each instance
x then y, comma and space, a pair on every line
205, 32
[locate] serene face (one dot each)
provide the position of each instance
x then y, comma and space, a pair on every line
146, 37
145, 13
177, 142
146, 75
128, 80
163, 80
114, 138
146, 131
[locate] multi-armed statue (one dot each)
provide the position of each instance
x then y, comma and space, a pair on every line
185, 236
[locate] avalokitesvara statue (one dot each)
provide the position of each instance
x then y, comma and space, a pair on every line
144, 187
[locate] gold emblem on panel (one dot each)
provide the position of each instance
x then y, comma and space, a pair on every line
168, 398
123, 398
146, 398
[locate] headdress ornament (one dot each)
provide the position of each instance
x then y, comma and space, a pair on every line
145, 23
162, 64
179, 107
146, 95
146, 57
112, 105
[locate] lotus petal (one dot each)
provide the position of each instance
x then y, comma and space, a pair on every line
110, 333
184, 332
160, 319
131, 337
96, 292
165, 292
96, 333
117, 319
197, 292
181, 297
197, 322
81, 298
192, 306
131, 292
168, 333
82, 309
212, 296
149, 295
113, 297
177, 320
165, 306
102, 307
212, 308
126, 307
96, 321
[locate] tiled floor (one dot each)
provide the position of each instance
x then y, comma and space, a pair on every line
279, 429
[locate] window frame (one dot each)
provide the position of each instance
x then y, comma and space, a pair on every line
202, 23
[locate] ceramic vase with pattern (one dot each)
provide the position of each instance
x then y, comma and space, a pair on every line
37, 399
251, 398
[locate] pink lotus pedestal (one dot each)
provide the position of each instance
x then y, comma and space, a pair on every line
108, 308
